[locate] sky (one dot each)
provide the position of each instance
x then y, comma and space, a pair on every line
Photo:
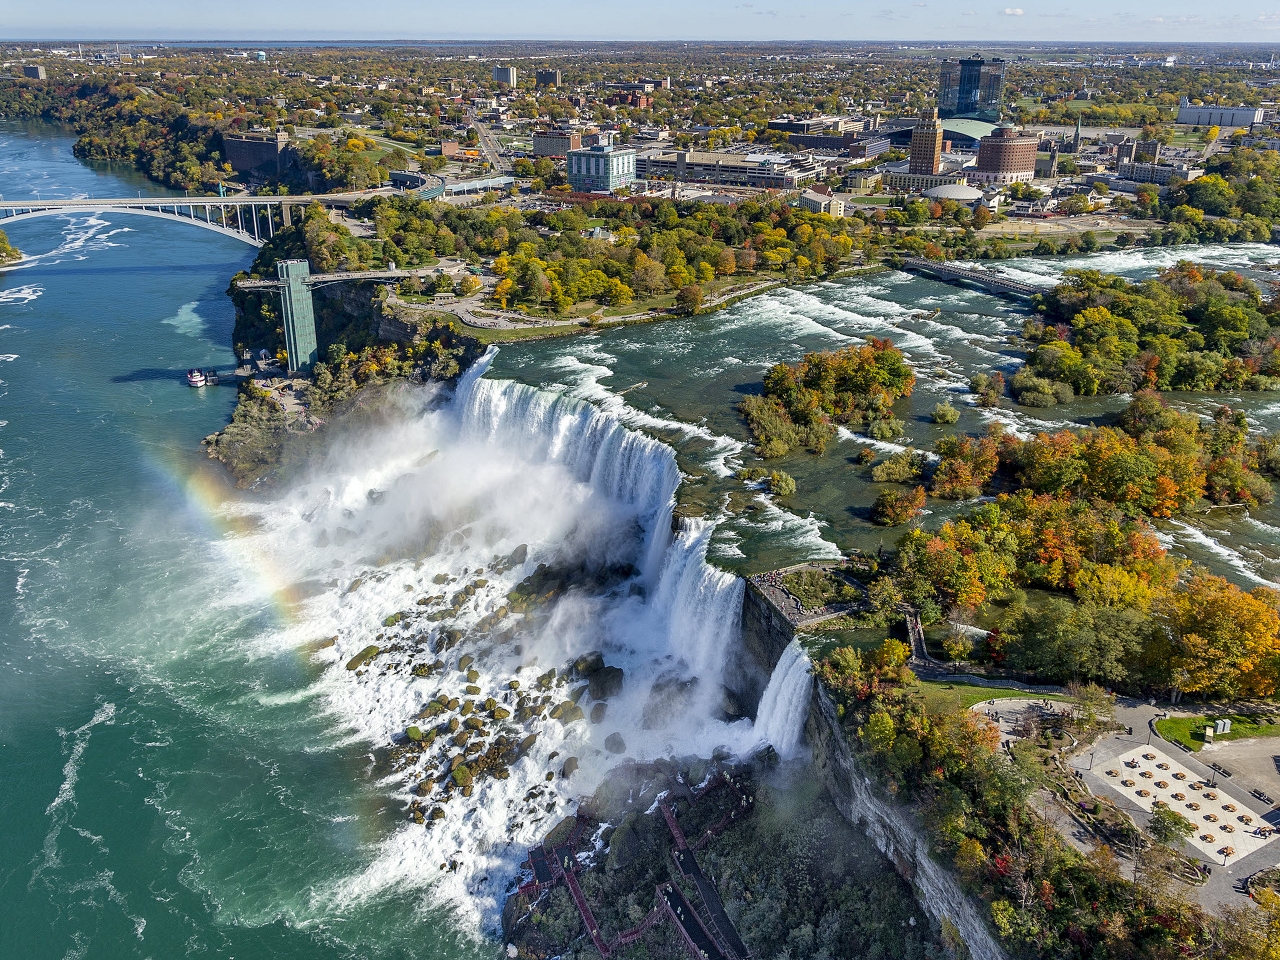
1168, 21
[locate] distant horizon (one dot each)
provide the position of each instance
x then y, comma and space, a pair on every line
661, 21
265, 41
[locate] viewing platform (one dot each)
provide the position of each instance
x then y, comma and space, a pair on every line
987, 279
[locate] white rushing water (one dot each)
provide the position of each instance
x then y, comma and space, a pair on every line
785, 704
401, 516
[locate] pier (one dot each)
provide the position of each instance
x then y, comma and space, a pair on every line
986, 279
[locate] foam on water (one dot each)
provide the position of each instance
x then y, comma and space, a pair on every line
439, 492
1197, 537
22, 294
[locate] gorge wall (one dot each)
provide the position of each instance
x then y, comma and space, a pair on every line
892, 827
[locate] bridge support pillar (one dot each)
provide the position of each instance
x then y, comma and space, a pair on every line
285, 215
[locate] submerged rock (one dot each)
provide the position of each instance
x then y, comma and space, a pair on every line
615, 744
598, 712
605, 683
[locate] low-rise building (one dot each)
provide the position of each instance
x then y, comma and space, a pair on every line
555, 143
915, 182
1157, 173
733, 169
862, 181
33, 72
1207, 115
820, 200
602, 168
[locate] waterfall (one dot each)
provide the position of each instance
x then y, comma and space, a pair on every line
702, 604
622, 465
785, 704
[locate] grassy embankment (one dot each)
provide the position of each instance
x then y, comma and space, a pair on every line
1189, 731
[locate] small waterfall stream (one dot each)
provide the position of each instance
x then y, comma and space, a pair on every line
784, 708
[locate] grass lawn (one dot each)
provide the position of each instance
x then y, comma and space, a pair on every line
1189, 731
941, 696
485, 335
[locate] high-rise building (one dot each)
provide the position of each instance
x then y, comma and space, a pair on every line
601, 168
972, 87
926, 144
505, 75
299, 317
548, 78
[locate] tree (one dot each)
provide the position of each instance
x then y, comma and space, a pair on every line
1225, 642
1167, 826
879, 732
689, 299
981, 217
726, 263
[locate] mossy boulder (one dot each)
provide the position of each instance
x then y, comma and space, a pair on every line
414, 734
363, 658
462, 775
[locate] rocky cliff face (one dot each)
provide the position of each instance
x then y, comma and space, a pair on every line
894, 830
892, 827
765, 634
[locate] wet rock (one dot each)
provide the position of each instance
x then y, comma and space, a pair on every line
571, 714
668, 694
605, 683
465, 661
518, 556
500, 713
437, 813
598, 711
550, 775
570, 767
615, 744
527, 743
473, 690
363, 658
473, 675
588, 663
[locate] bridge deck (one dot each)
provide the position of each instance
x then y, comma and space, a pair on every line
983, 278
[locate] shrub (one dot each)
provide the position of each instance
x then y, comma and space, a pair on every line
886, 429
893, 507
899, 468
945, 413
781, 484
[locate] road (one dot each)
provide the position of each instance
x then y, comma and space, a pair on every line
489, 144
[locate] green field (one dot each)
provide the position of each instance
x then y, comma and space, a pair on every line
1189, 731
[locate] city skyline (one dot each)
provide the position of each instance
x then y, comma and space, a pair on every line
1179, 21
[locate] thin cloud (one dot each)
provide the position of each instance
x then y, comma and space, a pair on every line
1013, 11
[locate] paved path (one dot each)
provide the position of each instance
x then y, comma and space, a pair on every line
1223, 886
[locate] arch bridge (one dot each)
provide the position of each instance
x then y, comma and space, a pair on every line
253, 220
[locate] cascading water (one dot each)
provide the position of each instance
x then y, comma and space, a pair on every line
420, 523
785, 704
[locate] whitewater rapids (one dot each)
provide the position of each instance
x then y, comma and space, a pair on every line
433, 498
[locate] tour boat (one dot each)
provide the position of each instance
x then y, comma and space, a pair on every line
195, 378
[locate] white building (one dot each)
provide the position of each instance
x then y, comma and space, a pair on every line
819, 202
505, 75
1211, 116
